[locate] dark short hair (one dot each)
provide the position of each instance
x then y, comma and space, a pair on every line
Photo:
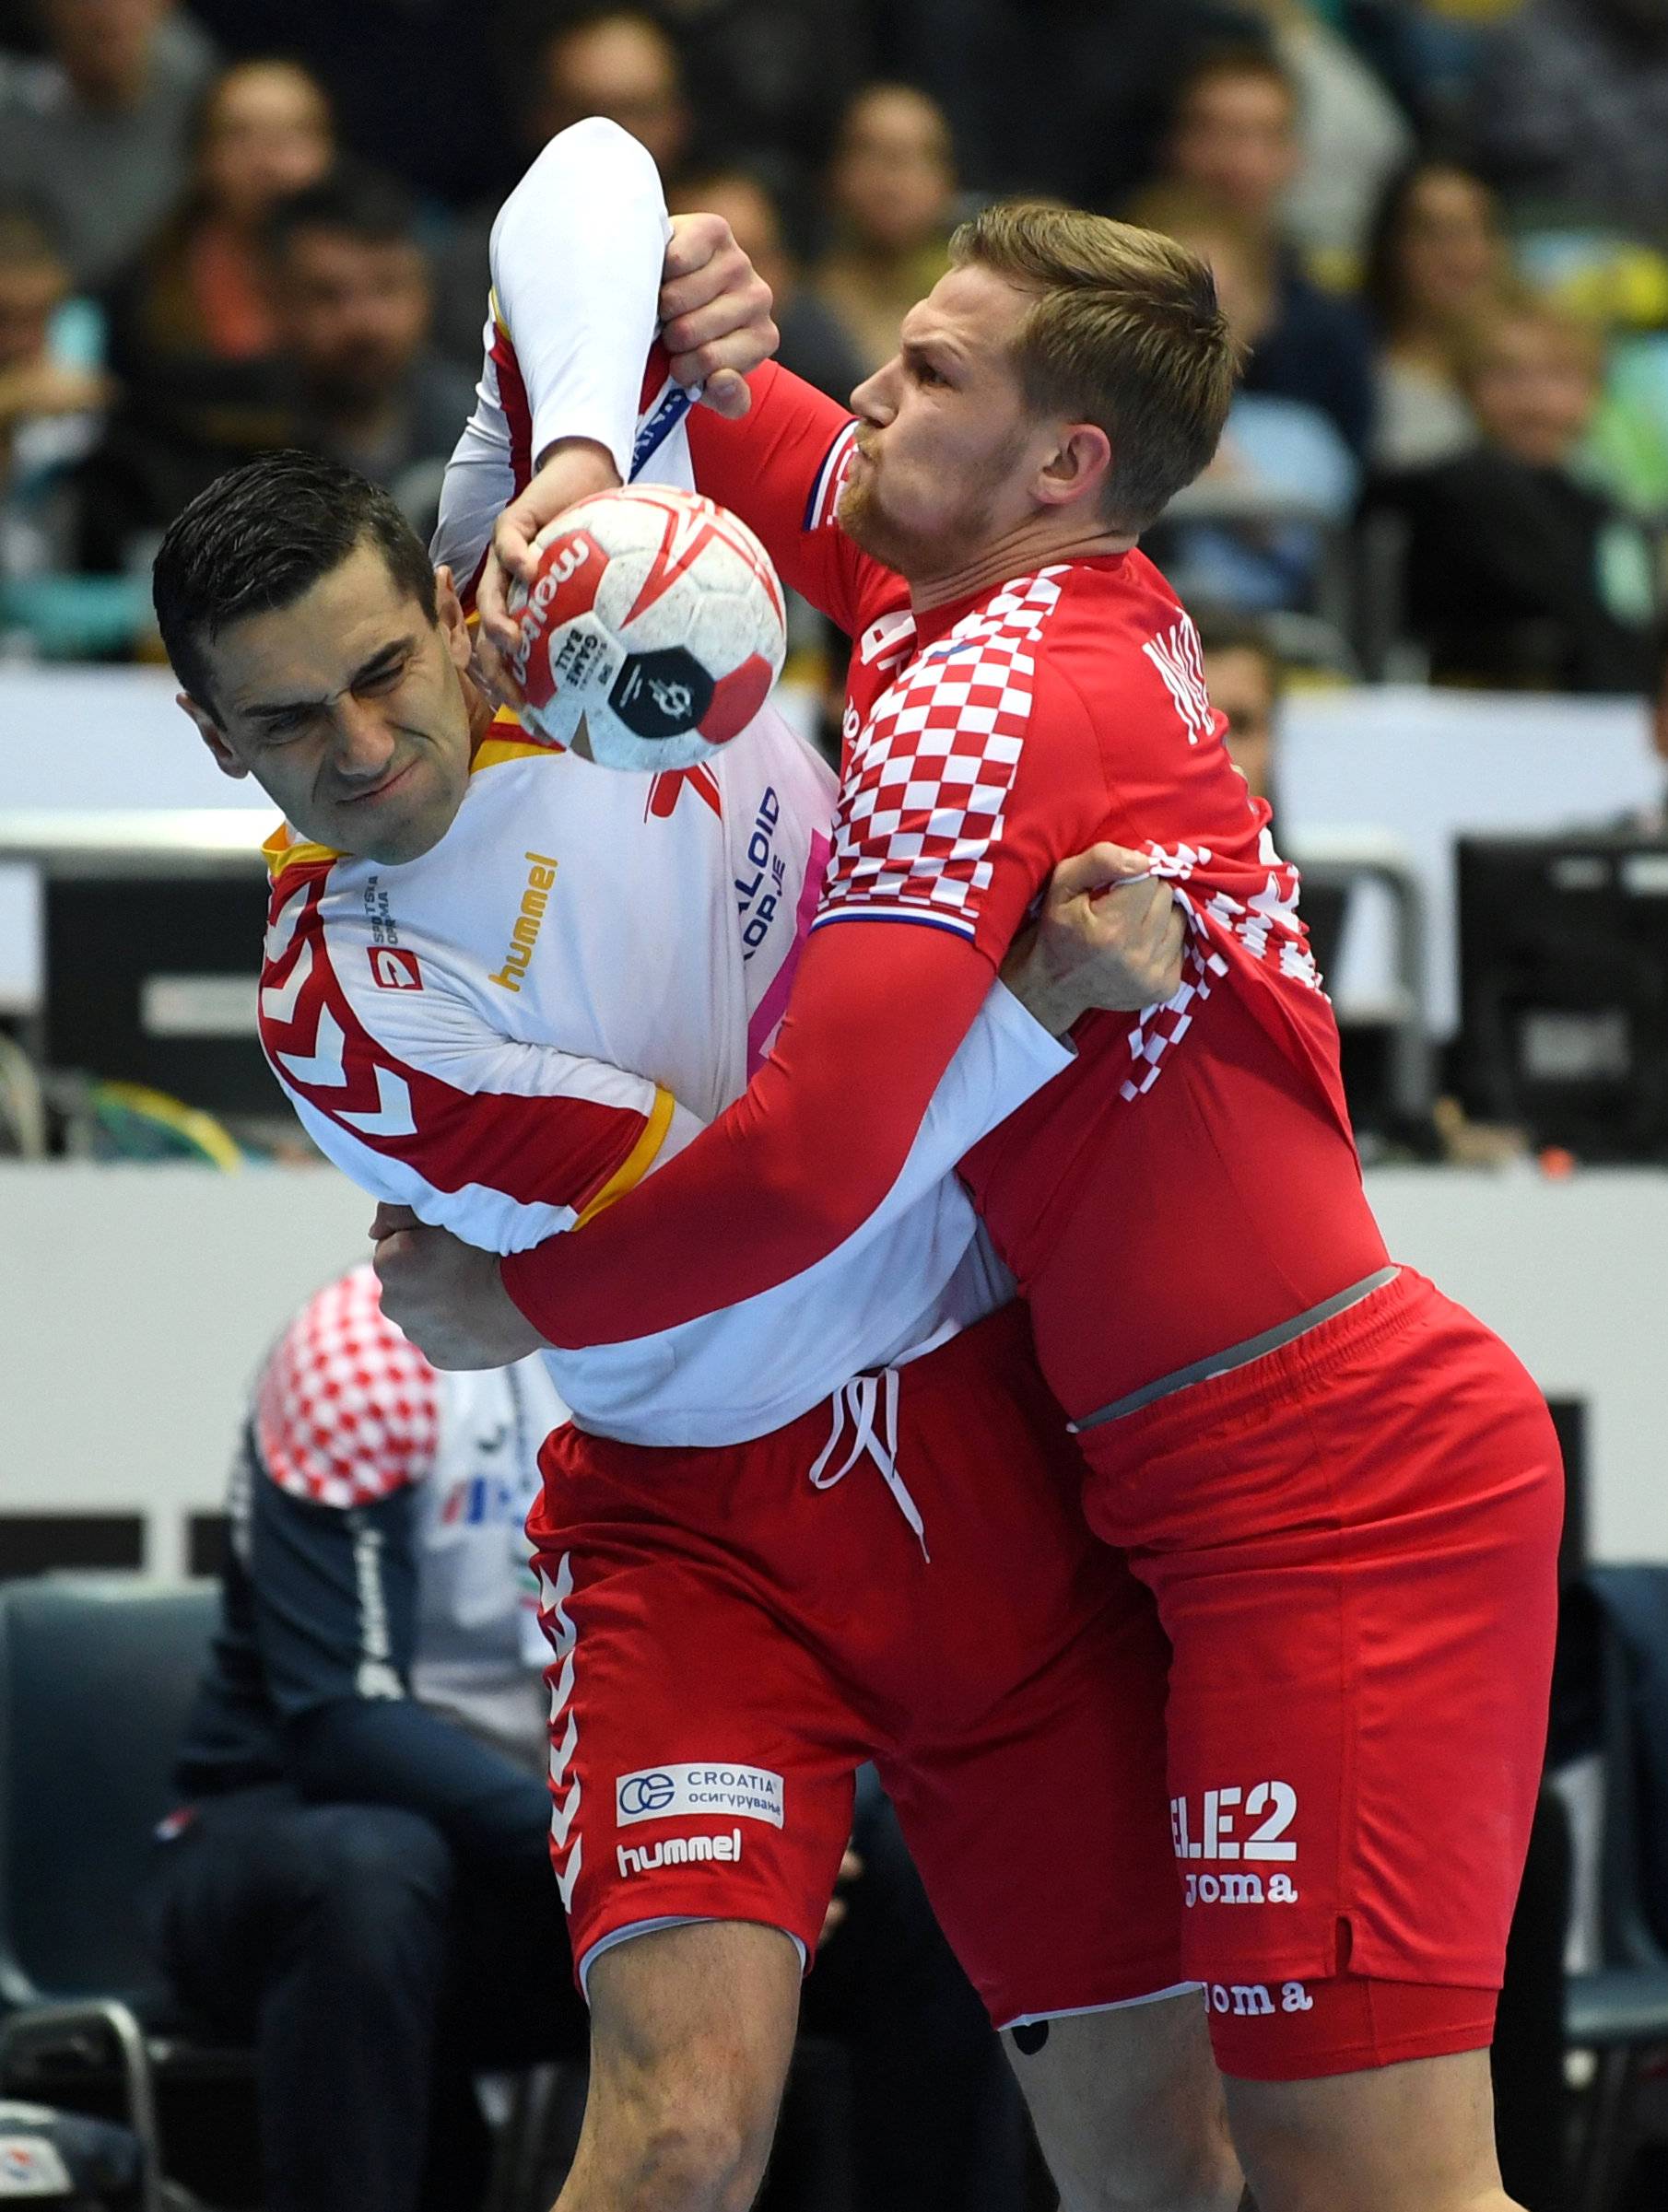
261, 535
353, 197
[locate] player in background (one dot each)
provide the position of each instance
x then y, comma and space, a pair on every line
1341, 1490
738, 1618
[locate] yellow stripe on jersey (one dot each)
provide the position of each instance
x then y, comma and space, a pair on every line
510, 740
497, 312
639, 1161
283, 851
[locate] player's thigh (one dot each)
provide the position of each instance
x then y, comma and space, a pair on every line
1128, 2105
1041, 1828
701, 1757
691, 2033
1416, 2137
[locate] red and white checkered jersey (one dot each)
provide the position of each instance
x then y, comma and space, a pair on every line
1200, 1152
346, 1413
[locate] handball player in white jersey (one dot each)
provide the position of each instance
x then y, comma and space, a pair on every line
502, 985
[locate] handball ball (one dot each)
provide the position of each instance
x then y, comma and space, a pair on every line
653, 629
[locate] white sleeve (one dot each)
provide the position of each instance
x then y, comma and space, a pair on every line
1004, 1059
576, 257
577, 252
424, 1104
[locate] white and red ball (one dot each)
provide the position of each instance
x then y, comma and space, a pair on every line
654, 619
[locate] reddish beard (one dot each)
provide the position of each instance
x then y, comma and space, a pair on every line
908, 551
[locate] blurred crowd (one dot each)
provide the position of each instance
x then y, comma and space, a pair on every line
1440, 228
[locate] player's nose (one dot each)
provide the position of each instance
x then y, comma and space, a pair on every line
364, 744
873, 401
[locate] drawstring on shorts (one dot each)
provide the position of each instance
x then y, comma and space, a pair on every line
860, 1401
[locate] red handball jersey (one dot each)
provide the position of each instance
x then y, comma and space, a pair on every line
1191, 1180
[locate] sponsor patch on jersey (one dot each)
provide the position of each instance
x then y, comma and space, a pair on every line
708, 1791
393, 968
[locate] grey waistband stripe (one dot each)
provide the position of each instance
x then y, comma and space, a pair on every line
1239, 1355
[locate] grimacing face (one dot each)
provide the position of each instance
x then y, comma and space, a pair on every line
947, 448
347, 707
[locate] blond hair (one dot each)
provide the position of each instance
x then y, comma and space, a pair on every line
1125, 332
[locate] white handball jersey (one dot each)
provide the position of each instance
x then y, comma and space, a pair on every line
509, 1031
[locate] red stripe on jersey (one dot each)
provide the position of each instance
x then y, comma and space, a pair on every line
657, 376
537, 1149
346, 1410
512, 398
668, 788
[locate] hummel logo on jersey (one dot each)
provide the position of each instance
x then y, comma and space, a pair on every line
518, 957
393, 968
678, 1850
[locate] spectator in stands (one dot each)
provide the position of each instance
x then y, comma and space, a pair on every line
1245, 677
1353, 136
1234, 147
617, 62
96, 134
1053, 95
353, 313
814, 341
49, 407
358, 1880
193, 337
1252, 532
609, 60
1516, 573
1436, 258
891, 190
1571, 113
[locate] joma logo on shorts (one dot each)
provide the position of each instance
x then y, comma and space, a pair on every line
1250, 2000
1238, 1889
678, 1850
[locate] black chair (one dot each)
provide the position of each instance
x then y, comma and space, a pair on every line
95, 1676
1619, 2011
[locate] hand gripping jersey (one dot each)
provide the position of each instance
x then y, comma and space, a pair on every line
1199, 1151
376, 1546
508, 1033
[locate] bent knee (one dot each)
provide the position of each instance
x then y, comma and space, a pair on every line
710, 2162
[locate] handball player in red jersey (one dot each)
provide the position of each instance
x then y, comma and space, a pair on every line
1343, 1491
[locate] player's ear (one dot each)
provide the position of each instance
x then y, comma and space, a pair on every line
1077, 467
208, 730
454, 623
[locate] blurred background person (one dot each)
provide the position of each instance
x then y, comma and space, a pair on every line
1516, 573
1053, 95
814, 341
617, 62
352, 306
1571, 113
194, 336
95, 133
1436, 258
1354, 133
1245, 677
52, 396
890, 201
1252, 532
1234, 148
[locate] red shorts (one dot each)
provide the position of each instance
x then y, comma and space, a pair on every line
1352, 1544
733, 1643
